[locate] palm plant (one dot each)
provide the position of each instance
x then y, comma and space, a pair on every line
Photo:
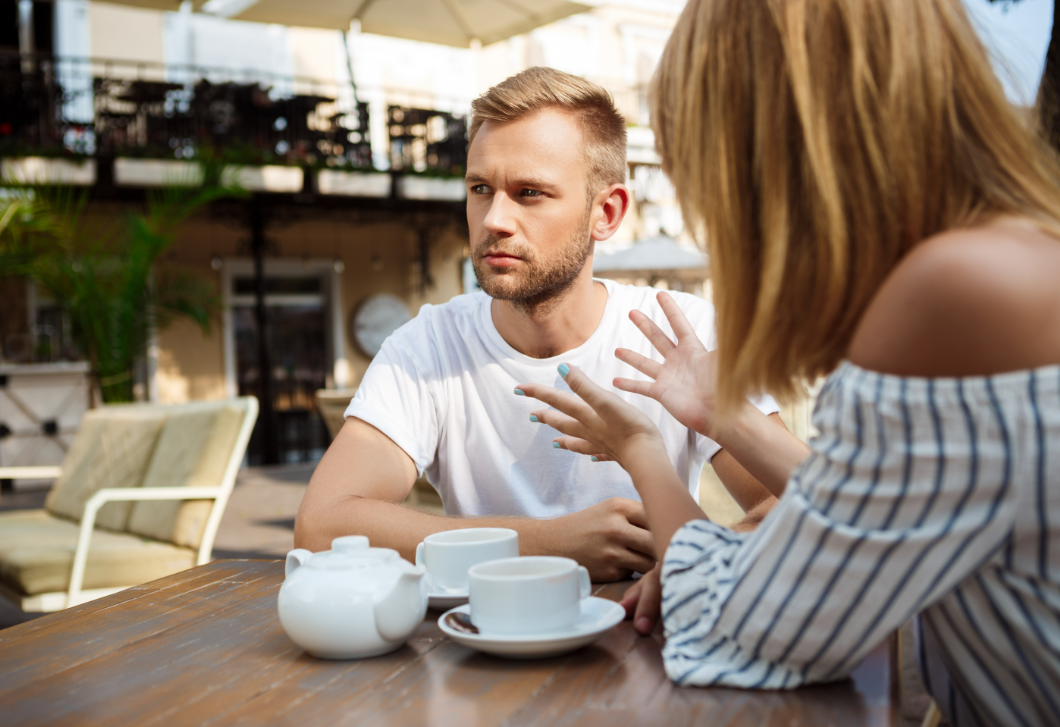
106, 283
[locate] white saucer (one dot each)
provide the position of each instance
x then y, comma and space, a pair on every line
598, 615
442, 599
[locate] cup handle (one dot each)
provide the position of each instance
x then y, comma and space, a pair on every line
585, 583
419, 555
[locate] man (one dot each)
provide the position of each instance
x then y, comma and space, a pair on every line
546, 167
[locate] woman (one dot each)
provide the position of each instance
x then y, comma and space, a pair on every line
874, 210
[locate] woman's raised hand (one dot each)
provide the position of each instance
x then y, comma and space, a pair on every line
594, 421
685, 382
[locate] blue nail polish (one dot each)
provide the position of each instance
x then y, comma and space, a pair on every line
519, 392
564, 369
594, 458
533, 418
555, 445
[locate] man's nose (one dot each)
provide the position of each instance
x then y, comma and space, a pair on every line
500, 219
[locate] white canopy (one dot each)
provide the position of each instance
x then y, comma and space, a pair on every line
449, 22
655, 257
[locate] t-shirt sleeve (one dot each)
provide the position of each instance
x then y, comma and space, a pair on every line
397, 394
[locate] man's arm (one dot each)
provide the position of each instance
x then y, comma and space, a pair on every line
364, 476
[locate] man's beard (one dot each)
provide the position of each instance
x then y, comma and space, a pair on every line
544, 282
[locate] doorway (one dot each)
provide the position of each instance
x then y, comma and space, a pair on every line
300, 300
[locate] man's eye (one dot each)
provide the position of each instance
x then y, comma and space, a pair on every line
480, 189
532, 193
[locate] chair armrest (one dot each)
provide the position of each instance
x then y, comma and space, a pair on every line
125, 494
122, 494
41, 472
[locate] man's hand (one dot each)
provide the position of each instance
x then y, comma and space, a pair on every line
643, 602
609, 538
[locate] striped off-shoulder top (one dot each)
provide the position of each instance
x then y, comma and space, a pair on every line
937, 497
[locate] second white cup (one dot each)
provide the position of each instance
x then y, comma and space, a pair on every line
448, 555
527, 596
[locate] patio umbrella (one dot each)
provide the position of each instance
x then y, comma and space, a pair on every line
449, 22
655, 257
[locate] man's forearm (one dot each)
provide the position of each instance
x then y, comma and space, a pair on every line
389, 525
363, 475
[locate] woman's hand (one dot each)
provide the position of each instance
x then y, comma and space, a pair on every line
594, 421
686, 382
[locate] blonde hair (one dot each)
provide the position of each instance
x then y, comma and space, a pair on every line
812, 144
602, 126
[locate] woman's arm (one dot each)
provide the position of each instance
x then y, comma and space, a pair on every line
864, 537
685, 384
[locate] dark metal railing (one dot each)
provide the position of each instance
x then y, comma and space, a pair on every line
92, 107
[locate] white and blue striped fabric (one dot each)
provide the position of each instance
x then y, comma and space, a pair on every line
937, 497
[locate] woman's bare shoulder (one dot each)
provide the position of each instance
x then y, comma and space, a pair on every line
967, 302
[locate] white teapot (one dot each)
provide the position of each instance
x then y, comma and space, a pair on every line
352, 601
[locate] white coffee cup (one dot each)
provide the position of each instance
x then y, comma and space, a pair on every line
531, 595
448, 555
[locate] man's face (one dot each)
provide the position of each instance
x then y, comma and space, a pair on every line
527, 207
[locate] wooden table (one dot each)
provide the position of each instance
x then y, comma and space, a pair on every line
205, 647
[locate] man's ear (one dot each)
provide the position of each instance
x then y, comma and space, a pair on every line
609, 209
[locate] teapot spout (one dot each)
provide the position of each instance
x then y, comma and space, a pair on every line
295, 559
399, 612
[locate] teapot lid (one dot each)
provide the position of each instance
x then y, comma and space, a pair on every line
350, 544
352, 551
357, 545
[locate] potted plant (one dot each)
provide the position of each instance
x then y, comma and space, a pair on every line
108, 283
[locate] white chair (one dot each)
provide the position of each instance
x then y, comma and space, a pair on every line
139, 496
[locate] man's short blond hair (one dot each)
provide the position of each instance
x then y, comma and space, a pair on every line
538, 88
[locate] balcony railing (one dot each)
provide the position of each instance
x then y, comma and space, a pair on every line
98, 108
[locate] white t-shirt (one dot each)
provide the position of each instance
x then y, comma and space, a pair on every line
442, 389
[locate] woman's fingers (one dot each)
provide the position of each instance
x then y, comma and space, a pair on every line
676, 316
569, 404
585, 388
561, 423
633, 386
641, 363
578, 445
581, 446
652, 332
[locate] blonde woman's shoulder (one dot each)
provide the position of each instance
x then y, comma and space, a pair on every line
968, 302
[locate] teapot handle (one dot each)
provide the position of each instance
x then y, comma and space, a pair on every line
295, 558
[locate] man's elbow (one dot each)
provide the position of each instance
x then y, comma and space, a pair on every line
302, 531
311, 530
320, 520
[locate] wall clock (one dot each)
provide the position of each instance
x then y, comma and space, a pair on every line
376, 318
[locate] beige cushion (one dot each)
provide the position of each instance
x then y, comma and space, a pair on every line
192, 451
112, 449
37, 552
